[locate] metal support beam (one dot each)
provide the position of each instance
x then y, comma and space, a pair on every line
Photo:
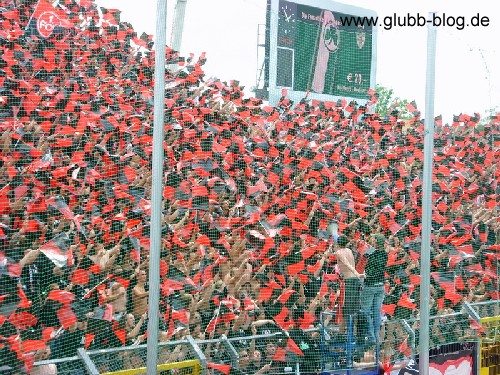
89, 365
474, 315
198, 354
157, 187
425, 263
411, 332
232, 352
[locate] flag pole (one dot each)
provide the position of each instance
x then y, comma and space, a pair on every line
156, 188
34, 10
427, 200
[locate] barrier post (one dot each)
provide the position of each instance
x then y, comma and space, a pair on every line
198, 354
157, 187
427, 200
411, 332
89, 365
232, 351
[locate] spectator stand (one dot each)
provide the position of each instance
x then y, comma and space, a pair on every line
249, 192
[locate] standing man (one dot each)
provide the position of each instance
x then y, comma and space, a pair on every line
372, 294
351, 279
117, 297
140, 295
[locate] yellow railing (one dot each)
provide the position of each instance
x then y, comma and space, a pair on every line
194, 364
490, 346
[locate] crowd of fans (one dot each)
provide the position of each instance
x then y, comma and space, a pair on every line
249, 192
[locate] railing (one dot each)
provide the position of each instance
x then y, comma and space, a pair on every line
399, 342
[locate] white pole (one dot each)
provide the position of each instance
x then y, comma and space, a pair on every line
156, 188
427, 200
178, 25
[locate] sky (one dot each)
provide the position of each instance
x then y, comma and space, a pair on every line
467, 60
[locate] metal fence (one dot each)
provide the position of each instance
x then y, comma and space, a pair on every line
323, 348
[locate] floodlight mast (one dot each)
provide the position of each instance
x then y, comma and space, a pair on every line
178, 25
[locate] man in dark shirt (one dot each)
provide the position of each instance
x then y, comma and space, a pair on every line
372, 295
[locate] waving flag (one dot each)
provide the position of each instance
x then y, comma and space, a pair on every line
58, 203
58, 250
47, 21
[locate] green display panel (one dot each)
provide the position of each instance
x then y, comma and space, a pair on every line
318, 52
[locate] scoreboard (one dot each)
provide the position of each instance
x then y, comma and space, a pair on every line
313, 49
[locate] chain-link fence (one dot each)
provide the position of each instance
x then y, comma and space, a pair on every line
65, 366
324, 349
113, 360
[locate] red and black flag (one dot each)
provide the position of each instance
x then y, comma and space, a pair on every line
47, 21
58, 250
59, 203
109, 17
288, 353
85, 3
10, 299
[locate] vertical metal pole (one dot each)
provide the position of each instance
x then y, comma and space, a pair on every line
157, 187
427, 200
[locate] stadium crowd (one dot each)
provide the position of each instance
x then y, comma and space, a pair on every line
249, 192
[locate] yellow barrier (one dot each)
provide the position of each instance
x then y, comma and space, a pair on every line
490, 346
194, 364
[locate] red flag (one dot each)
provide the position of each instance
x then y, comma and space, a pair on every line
61, 296
33, 345
203, 240
265, 294
306, 321
47, 20
199, 191
291, 346
452, 296
80, 277
296, 268
279, 355
212, 324
286, 295
405, 301
85, 3
121, 335
66, 317
181, 316
23, 320
389, 309
280, 318
89, 337
323, 291
225, 369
